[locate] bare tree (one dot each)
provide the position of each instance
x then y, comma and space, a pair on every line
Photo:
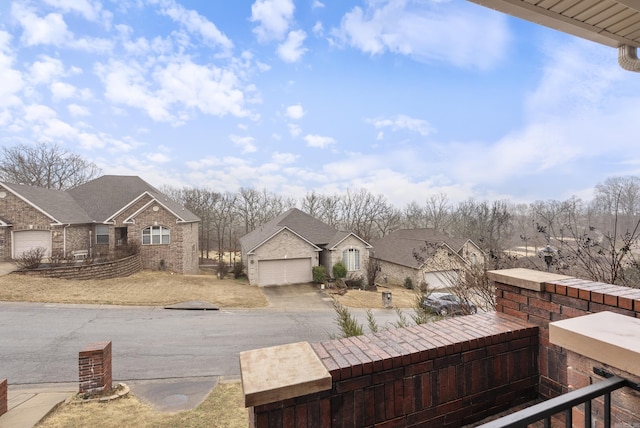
438, 212
45, 165
619, 195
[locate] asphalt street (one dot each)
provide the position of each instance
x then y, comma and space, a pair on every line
39, 343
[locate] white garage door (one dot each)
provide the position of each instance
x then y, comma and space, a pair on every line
289, 271
442, 279
28, 239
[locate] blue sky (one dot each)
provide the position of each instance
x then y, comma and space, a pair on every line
405, 98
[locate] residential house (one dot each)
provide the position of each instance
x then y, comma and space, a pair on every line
285, 249
424, 255
95, 218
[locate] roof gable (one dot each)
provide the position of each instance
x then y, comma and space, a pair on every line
310, 228
58, 205
107, 196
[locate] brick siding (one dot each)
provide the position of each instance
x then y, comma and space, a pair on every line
94, 367
4, 401
81, 271
447, 373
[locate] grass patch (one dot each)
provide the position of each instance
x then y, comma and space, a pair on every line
146, 288
224, 407
354, 298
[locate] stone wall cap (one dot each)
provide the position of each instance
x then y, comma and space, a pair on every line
282, 372
525, 278
607, 337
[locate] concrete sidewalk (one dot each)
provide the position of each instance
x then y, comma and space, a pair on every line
28, 404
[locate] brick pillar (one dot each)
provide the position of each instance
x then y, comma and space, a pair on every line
94, 363
4, 402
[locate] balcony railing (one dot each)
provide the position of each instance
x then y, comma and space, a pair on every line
565, 403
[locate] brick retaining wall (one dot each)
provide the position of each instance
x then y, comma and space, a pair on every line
81, 271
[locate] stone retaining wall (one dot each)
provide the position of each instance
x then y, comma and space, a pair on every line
81, 271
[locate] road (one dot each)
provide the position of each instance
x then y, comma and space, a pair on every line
39, 343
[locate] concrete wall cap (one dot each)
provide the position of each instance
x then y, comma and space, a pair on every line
525, 278
282, 372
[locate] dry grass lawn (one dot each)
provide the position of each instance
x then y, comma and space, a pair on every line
146, 288
400, 297
223, 408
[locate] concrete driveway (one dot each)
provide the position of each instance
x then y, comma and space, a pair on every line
7, 267
297, 297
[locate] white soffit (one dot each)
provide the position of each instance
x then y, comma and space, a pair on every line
611, 23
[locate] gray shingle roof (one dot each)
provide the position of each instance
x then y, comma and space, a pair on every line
95, 201
399, 246
58, 204
105, 196
310, 228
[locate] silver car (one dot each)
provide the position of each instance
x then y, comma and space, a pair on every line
448, 304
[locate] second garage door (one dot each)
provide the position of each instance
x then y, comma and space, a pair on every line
289, 271
442, 279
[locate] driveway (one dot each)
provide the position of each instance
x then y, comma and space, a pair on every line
7, 267
297, 297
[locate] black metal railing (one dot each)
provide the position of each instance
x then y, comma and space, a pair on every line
565, 403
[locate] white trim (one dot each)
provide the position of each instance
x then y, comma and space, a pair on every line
3, 224
316, 248
129, 220
367, 245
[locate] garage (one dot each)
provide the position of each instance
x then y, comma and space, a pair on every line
442, 279
284, 271
28, 239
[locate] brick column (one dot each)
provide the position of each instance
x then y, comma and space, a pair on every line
94, 363
4, 402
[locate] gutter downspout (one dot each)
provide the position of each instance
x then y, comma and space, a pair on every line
628, 58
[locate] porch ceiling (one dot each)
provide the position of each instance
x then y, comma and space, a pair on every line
609, 22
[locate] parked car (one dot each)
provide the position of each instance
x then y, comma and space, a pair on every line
448, 304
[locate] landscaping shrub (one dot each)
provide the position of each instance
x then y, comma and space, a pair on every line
319, 274
339, 270
238, 270
56, 258
31, 259
223, 270
126, 250
408, 283
347, 324
355, 283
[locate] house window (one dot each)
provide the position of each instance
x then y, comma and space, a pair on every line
102, 234
154, 235
351, 259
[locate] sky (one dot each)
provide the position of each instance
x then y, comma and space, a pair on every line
403, 98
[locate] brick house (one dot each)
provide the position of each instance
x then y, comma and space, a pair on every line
96, 218
285, 249
424, 255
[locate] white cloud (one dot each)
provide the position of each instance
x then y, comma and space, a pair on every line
158, 157
273, 17
196, 23
245, 142
78, 111
90, 10
12, 82
403, 122
319, 141
45, 70
317, 4
62, 90
464, 35
294, 130
318, 29
292, 49
50, 30
180, 84
284, 158
295, 111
